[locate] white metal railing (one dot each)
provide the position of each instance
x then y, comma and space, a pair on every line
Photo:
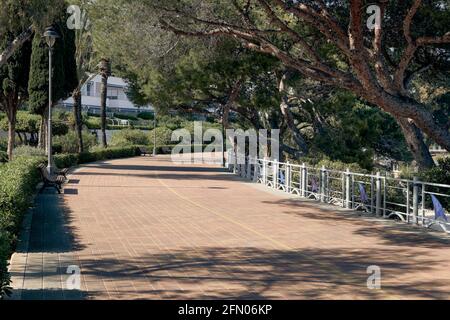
409, 201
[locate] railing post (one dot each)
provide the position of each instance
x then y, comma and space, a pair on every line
415, 201
408, 203
275, 174
322, 184
304, 182
343, 175
423, 205
256, 171
264, 173
288, 177
378, 196
347, 190
235, 164
249, 168
242, 166
372, 195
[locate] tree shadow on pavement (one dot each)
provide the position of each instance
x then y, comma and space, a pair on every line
388, 232
52, 230
253, 273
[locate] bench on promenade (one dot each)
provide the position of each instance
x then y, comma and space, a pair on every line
52, 181
144, 151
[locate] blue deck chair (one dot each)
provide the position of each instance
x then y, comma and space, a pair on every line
314, 188
281, 178
363, 194
438, 209
363, 197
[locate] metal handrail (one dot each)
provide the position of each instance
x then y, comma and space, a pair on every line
401, 199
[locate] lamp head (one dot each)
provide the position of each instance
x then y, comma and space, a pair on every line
50, 36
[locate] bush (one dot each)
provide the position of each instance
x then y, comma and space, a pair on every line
18, 180
92, 123
129, 137
146, 116
3, 144
439, 174
3, 156
163, 136
28, 151
132, 126
66, 160
108, 154
96, 154
331, 165
59, 128
125, 117
69, 142
26, 123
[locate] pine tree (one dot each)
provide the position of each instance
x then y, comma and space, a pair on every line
64, 73
13, 86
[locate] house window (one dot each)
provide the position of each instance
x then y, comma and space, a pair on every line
89, 89
113, 93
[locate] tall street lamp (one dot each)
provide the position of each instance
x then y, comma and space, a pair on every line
154, 132
50, 36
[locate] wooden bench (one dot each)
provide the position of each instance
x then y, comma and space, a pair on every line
52, 181
144, 152
62, 172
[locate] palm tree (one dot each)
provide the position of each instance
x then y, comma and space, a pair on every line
105, 72
83, 57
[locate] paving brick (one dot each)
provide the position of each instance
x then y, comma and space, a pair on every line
145, 228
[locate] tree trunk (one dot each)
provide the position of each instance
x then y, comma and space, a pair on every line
15, 45
406, 108
416, 144
78, 121
11, 134
103, 97
234, 94
288, 118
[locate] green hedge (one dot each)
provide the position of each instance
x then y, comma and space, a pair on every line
18, 180
71, 160
167, 149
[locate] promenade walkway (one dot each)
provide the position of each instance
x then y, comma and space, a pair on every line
145, 228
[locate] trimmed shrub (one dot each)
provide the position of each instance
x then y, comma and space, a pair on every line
129, 137
69, 142
146, 116
66, 160
125, 117
96, 154
28, 151
132, 126
18, 180
163, 136
26, 122
108, 154
59, 128
92, 123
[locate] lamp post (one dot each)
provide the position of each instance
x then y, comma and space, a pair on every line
50, 36
154, 132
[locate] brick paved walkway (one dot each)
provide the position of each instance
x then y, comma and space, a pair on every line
144, 228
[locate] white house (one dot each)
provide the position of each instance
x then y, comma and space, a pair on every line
117, 101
